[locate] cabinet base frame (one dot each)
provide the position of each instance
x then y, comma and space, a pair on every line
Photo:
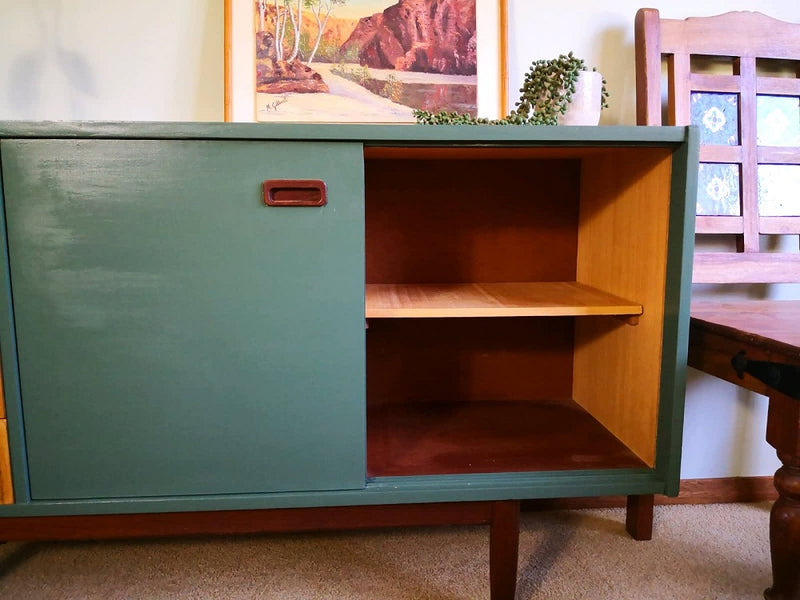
502, 516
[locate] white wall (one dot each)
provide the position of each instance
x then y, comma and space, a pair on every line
111, 60
162, 60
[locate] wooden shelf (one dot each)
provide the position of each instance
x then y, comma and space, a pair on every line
528, 299
431, 438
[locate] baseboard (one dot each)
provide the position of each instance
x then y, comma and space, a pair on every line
722, 490
718, 490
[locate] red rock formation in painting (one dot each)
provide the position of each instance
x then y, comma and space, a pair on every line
431, 36
280, 76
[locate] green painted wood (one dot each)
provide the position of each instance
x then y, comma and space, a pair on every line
8, 352
683, 194
175, 335
371, 134
384, 490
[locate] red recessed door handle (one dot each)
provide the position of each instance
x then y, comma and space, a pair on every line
295, 192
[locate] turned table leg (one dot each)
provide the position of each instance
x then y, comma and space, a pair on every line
504, 549
784, 532
783, 433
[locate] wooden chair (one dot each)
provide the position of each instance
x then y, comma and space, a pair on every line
739, 152
748, 188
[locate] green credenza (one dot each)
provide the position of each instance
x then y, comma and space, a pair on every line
475, 314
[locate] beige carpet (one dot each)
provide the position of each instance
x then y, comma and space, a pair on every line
698, 552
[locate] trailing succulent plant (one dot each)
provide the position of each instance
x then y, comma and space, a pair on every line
545, 94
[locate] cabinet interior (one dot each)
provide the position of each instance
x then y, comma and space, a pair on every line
515, 302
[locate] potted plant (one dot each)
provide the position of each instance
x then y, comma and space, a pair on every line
562, 91
555, 91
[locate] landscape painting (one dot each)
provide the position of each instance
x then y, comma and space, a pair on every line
363, 60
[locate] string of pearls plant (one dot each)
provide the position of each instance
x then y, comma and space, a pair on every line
545, 94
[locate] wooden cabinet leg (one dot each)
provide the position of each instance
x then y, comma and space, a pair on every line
639, 517
504, 549
784, 532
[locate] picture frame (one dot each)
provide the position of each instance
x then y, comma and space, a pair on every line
242, 102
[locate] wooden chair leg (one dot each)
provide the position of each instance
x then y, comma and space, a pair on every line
639, 517
504, 549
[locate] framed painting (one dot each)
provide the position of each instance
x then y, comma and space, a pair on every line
363, 60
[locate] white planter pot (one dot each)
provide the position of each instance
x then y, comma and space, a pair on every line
586, 101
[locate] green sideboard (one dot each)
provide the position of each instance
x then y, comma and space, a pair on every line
401, 314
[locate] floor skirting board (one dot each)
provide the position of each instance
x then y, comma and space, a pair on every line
692, 491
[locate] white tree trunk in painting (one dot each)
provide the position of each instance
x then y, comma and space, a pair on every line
296, 23
262, 15
280, 28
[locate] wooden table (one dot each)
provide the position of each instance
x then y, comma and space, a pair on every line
756, 345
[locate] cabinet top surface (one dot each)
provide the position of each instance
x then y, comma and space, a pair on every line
368, 133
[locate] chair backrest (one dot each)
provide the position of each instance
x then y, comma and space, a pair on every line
749, 120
